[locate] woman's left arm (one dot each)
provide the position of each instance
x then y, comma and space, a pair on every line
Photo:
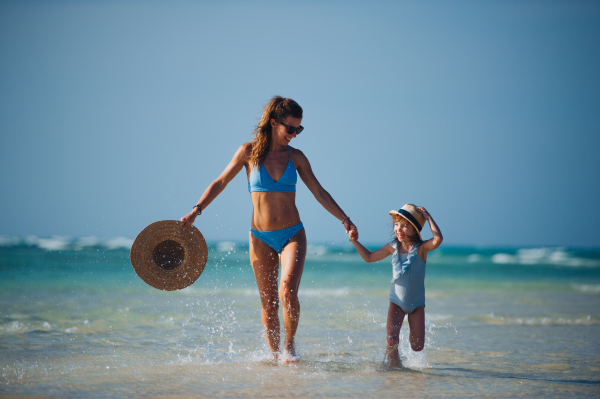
308, 177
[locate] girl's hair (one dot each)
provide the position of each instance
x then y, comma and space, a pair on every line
277, 108
394, 240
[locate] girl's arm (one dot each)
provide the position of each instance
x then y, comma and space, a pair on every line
374, 256
306, 174
233, 168
437, 239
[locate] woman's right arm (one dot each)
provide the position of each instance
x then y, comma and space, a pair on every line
233, 168
374, 256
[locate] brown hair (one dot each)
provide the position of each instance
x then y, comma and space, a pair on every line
277, 108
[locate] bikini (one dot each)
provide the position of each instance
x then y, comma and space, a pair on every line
408, 281
261, 181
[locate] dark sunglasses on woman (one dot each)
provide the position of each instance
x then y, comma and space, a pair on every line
291, 129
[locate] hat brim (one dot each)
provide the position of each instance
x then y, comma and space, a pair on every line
394, 212
167, 257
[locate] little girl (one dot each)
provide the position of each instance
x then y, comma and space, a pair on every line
407, 294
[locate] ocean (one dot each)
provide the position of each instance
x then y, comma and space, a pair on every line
76, 321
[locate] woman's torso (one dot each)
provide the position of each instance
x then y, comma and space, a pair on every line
273, 210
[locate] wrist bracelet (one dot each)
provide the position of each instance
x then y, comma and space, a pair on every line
199, 209
344, 219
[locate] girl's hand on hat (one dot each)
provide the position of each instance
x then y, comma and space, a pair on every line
423, 212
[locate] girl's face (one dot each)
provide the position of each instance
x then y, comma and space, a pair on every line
280, 132
404, 230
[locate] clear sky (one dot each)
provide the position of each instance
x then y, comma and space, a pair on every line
116, 114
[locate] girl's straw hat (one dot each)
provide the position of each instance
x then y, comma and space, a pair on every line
167, 257
410, 213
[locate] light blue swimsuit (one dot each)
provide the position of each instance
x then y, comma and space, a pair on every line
261, 181
408, 281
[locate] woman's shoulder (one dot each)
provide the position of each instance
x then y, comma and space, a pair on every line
242, 154
245, 149
247, 146
296, 155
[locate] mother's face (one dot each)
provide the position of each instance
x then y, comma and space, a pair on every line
281, 129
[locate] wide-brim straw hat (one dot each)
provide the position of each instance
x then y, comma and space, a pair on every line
410, 213
167, 257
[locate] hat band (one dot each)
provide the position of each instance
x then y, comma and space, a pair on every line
410, 218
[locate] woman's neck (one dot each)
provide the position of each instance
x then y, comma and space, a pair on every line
277, 148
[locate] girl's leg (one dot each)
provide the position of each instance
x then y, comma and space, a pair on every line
416, 322
292, 265
394, 323
265, 264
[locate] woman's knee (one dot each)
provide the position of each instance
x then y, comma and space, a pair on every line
270, 305
288, 296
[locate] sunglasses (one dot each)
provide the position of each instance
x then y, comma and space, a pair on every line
291, 129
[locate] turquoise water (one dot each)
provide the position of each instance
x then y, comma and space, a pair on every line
76, 321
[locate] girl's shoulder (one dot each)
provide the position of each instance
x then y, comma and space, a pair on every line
391, 247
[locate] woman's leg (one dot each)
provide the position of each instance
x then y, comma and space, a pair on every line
265, 264
394, 323
292, 265
416, 322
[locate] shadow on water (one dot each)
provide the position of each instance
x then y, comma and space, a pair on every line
472, 373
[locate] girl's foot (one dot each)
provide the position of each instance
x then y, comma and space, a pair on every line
392, 358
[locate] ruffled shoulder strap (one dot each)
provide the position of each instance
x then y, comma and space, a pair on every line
400, 267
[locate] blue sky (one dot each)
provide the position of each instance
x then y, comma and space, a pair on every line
114, 115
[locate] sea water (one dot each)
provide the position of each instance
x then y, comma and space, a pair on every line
76, 321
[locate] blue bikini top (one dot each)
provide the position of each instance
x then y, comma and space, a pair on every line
261, 180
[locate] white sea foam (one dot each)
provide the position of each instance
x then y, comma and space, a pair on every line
6, 241
119, 242
336, 292
91, 241
552, 256
226, 246
473, 258
316, 250
55, 243
538, 321
588, 288
504, 258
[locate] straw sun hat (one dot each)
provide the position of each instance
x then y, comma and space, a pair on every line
410, 213
167, 257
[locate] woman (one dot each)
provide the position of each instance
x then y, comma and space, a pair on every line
276, 232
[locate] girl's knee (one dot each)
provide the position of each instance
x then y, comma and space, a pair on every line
392, 340
417, 347
417, 344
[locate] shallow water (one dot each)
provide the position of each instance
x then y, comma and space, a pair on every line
76, 321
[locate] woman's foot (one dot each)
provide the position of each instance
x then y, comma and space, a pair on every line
289, 355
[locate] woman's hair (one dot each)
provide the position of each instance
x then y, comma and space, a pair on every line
414, 238
277, 108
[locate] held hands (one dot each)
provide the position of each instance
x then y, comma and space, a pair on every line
351, 230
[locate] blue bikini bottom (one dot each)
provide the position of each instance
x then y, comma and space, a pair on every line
277, 239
